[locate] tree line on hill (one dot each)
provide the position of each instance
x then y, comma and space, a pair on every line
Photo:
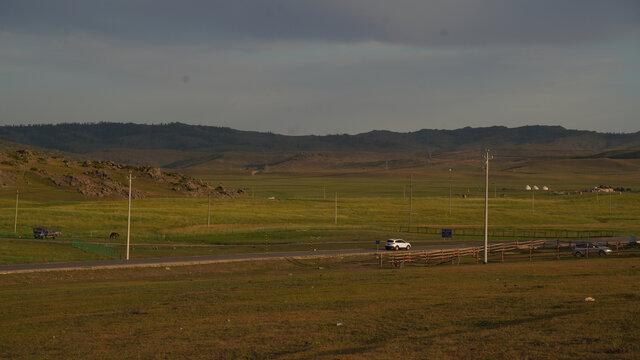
88, 137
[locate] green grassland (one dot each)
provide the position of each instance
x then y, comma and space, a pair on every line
372, 204
290, 310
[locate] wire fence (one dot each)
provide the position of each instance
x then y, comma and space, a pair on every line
517, 250
101, 250
505, 233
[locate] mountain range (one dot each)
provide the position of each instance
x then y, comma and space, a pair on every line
177, 145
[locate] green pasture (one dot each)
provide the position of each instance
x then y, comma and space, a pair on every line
29, 252
371, 205
179, 217
327, 309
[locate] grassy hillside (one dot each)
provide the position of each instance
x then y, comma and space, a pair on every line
40, 175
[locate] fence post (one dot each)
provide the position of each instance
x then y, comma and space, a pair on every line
380, 260
558, 249
530, 251
618, 248
587, 250
502, 251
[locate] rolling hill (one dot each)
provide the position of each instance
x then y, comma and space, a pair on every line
181, 146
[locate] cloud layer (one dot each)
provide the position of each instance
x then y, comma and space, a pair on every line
421, 23
322, 66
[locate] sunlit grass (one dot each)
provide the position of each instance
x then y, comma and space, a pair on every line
291, 310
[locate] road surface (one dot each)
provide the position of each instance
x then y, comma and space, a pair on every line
193, 260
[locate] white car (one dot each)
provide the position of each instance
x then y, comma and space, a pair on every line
397, 244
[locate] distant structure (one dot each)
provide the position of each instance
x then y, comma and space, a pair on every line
527, 187
602, 189
544, 188
535, 187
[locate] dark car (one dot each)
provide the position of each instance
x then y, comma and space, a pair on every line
43, 233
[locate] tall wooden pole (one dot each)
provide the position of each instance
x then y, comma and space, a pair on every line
533, 200
208, 210
410, 199
335, 216
450, 180
486, 206
15, 219
129, 216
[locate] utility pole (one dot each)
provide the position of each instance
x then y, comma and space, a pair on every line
335, 215
15, 219
486, 205
450, 179
208, 210
533, 199
410, 199
129, 216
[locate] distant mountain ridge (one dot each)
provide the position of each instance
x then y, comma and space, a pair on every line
86, 138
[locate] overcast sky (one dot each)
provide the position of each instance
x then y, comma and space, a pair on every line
323, 66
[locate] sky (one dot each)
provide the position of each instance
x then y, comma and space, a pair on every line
323, 66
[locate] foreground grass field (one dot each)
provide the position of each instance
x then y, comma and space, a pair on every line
292, 310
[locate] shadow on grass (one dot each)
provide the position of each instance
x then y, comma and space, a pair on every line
488, 324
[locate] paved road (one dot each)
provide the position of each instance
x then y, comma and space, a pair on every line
192, 260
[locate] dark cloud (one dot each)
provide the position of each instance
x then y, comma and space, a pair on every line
423, 23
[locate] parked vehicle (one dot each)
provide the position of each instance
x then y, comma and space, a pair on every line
580, 250
43, 233
397, 244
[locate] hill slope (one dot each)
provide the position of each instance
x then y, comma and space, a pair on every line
52, 176
179, 145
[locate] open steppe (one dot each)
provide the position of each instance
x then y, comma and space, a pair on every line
291, 308
327, 309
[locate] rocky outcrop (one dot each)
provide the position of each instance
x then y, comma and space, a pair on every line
103, 179
95, 186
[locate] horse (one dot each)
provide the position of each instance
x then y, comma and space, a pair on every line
114, 235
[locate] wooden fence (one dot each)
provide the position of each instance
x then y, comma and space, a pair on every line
451, 256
